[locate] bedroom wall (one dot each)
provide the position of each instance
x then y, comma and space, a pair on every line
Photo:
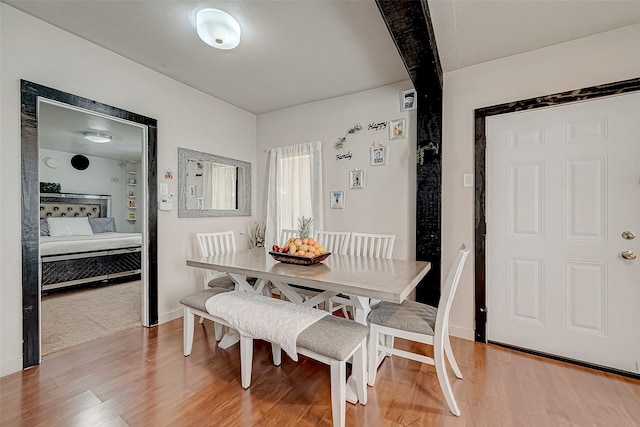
387, 203
603, 58
33, 50
103, 176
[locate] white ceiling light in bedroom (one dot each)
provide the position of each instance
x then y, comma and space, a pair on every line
97, 137
218, 29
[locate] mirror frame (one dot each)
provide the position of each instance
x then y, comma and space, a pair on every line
30, 220
183, 212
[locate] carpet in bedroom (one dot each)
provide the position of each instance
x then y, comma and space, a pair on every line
78, 316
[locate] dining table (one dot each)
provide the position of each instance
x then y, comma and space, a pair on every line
362, 279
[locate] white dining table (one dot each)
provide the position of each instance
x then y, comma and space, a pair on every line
363, 279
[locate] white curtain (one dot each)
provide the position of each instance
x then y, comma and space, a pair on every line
294, 188
219, 186
208, 187
224, 181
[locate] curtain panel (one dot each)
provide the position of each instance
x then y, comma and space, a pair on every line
294, 188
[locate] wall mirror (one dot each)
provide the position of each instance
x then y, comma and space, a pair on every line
210, 185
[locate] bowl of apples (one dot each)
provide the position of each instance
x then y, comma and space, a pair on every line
300, 251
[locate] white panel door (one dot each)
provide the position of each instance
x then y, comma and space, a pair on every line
563, 184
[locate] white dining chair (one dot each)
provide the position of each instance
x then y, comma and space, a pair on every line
218, 243
422, 323
285, 234
371, 245
336, 242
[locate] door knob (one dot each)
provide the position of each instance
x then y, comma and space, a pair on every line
628, 235
628, 255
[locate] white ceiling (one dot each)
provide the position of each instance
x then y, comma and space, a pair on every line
61, 128
297, 51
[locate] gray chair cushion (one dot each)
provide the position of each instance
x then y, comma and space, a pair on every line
227, 282
224, 282
199, 299
332, 336
409, 316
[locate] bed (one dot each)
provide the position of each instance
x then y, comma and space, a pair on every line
79, 243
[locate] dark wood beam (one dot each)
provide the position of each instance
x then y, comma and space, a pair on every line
409, 24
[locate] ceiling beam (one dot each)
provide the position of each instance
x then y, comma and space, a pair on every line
409, 23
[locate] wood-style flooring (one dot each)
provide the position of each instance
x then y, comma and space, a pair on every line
139, 377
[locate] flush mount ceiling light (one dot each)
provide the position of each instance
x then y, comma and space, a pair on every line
97, 137
218, 29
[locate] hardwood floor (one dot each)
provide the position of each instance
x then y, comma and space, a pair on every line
140, 377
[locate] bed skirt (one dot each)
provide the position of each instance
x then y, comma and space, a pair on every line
59, 271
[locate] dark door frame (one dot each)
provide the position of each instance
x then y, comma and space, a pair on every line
30, 92
593, 92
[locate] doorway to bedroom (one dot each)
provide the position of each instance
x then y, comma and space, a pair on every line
92, 204
33, 99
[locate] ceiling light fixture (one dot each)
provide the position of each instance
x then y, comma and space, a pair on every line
218, 29
97, 137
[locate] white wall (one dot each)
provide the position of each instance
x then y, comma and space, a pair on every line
35, 51
103, 176
387, 203
603, 58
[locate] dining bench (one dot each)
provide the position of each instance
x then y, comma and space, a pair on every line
331, 340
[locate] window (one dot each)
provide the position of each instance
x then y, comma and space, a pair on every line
295, 188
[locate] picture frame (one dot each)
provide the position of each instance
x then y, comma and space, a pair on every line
408, 100
378, 155
356, 179
397, 129
131, 193
337, 199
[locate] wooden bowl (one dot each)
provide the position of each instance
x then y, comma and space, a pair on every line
299, 260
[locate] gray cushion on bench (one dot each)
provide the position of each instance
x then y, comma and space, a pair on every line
409, 316
332, 336
227, 282
199, 299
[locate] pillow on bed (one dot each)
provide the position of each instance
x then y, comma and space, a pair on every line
76, 226
103, 225
44, 227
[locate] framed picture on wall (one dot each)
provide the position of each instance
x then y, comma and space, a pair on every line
397, 129
356, 179
378, 155
337, 199
408, 100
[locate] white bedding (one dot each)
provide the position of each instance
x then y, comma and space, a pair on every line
59, 245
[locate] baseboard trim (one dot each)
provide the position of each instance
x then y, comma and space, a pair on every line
11, 366
568, 360
172, 315
461, 332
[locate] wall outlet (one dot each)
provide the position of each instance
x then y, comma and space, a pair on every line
468, 180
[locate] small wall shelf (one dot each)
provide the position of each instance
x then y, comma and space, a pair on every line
131, 195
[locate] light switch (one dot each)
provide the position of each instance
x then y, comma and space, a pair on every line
164, 188
468, 180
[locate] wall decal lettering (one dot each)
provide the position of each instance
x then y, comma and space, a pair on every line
346, 156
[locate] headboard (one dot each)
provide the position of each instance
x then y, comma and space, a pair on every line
67, 204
